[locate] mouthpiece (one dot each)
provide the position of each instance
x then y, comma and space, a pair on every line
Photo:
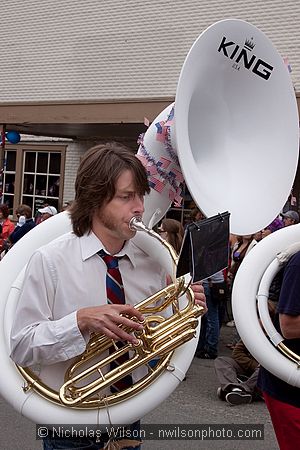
136, 224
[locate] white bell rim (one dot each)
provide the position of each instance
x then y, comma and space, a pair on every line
231, 151
32, 405
254, 277
235, 130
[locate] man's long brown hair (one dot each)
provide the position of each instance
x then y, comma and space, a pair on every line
96, 180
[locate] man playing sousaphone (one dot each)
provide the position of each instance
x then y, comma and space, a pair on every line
87, 280
283, 399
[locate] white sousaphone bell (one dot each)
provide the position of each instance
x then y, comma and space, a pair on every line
232, 131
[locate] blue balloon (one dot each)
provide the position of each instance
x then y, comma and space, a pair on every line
13, 137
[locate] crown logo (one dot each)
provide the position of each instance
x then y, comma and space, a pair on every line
249, 44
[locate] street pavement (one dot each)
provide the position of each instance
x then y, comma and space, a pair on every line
193, 402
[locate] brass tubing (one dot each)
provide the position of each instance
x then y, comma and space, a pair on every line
157, 341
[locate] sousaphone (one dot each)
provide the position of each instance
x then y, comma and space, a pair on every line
232, 131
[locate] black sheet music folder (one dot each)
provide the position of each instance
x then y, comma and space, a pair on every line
205, 247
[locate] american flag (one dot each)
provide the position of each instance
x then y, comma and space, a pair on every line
156, 184
161, 131
175, 197
177, 174
163, 162
178, 200
171, 195
287, 64
152, 169
169, 123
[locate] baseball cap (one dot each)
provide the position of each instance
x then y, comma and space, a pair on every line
291, 215
48, 209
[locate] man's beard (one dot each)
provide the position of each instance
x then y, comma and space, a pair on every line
118, 229
108, 221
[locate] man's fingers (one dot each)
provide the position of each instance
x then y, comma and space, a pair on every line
110, 334
122, 335
132, 312
107, 319
127, 322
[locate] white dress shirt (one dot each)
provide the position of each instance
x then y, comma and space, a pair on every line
62, 277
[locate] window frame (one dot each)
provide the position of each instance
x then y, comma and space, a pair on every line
20, 150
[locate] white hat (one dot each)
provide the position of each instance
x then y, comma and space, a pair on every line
48, 209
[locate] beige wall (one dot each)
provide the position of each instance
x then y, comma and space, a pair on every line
80, 62
83, 51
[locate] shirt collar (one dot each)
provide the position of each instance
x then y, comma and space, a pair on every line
90, 245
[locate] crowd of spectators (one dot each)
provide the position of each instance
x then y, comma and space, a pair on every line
237, 374
11, 232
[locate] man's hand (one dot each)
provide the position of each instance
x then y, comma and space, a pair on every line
106, 319
198, 291
200, 298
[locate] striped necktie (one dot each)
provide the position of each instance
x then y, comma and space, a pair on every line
115, 295
114, 284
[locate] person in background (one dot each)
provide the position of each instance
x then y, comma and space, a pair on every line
277, 224
275, 286
196, 215
47, 212
258, 236
7, 227
290, 218
38, 215
67, 205
239, 250
24, 215
215, 293
237, 376
172, 231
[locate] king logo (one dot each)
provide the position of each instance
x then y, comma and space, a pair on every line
242, 55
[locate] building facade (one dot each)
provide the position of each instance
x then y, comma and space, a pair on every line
77, 73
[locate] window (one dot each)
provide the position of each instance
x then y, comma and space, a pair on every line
9, 178
41, 179
33, 175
